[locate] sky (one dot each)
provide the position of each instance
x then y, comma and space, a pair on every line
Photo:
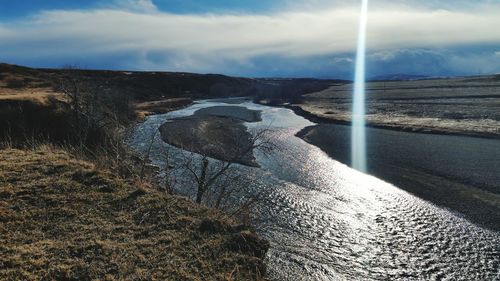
259, 38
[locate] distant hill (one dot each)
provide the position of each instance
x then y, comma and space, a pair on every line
139, 85
400, 77
145, 86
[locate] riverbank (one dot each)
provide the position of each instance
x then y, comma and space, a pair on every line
121, 224
63, 218
458, 106
217, 132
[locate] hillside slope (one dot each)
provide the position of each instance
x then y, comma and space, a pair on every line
63, 219
143, 86
138, 86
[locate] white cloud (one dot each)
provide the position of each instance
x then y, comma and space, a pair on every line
384, 55
497, 54
141, 29
146, 6
342, 60
392, 54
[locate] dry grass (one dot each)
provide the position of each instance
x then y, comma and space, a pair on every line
63, 219
40, 96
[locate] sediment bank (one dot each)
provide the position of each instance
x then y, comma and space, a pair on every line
217, 132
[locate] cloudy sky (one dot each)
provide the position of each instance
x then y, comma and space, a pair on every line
287, 38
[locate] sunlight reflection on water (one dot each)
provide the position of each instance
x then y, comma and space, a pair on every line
326, 221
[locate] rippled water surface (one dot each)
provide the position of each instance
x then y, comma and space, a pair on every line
326, 221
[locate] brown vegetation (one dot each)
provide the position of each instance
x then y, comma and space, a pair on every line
25, 120
64, 219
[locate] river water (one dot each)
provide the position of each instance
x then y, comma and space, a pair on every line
326, 221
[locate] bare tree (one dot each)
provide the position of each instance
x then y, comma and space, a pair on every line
170, 175
98, 115
217, 180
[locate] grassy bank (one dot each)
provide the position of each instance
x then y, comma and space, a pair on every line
89, 210
64, 219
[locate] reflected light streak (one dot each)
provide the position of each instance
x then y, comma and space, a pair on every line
358, 135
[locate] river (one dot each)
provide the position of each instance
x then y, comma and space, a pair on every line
326, 221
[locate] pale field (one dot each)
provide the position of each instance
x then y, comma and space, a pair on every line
469, 106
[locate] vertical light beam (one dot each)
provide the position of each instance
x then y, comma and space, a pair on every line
358, 135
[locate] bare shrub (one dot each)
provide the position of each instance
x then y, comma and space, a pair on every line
98, 110
221, 184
